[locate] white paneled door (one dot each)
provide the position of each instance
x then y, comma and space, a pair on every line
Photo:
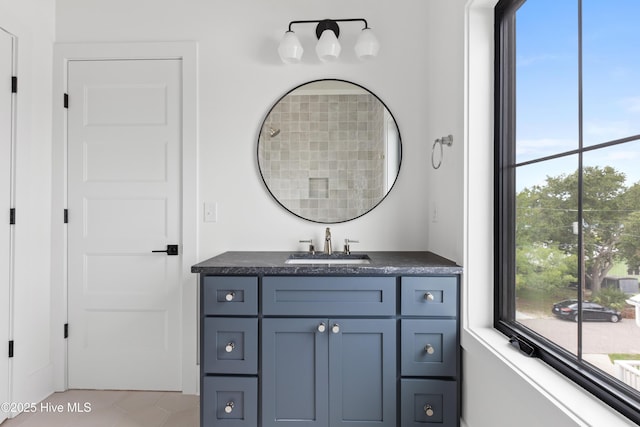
124, 203
6, 126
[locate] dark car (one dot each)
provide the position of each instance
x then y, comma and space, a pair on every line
568, 309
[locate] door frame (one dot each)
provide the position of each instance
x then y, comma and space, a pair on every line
9, 280
188, 53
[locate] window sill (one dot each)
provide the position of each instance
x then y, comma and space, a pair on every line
579, 406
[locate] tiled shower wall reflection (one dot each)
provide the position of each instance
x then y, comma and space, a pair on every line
327, 161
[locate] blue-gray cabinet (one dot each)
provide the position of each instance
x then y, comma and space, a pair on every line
321, 372
329, 351
430, 355
333, 371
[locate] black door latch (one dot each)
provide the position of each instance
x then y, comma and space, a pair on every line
171, 250
524, 347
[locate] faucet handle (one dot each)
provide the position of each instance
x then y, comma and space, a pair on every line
347, 248
312, 248
327, 241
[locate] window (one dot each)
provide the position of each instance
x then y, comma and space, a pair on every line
568, 189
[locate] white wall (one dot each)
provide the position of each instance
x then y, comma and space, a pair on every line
445, 96
32, 22
241, 77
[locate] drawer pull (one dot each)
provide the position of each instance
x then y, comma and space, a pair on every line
230, 296
335, 328
429, 296
428, 410
429, 349
228, 408
230, 346
322, 327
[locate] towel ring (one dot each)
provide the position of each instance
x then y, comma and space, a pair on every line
445, 140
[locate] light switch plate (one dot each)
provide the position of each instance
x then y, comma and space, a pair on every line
210, 212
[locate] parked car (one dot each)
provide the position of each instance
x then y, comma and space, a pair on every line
568, 309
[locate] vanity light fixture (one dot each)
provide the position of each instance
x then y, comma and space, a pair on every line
328, 47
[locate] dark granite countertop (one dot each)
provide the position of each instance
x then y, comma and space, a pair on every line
273, 263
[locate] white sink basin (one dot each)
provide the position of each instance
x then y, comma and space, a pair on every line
326, 261
340, 259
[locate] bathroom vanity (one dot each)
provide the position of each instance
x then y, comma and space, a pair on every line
317, 343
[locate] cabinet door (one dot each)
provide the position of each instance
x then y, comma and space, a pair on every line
229, 295
230, 345
429, 348
294, 372
362, 372
229, 401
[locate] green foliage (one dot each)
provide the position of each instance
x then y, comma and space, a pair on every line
544, 268
611, 297
547, 216
629, 240
623, 356
531, 300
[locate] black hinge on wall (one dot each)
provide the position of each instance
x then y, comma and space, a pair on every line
12, 216
66, 330
66, 100
11, 348
66, 216
14, 84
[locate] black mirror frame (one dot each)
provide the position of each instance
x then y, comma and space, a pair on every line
262, 126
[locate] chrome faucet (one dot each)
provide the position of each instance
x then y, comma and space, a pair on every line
347, 247
312, 249
327, 241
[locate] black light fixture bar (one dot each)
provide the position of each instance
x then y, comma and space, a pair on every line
329, 24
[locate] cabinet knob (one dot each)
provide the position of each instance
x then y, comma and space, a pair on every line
230, 346
429, 349
428, 410
228, 408
230, 296
322, 327
335, 328
429, 296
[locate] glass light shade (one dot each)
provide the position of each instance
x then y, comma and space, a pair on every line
328, 47
367, 45
290, 49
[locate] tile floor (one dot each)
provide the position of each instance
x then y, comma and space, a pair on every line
107, 408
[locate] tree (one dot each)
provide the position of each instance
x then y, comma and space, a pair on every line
545, 215
544, 268
630, 240
629, 247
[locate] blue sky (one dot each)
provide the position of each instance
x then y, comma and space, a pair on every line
547, 84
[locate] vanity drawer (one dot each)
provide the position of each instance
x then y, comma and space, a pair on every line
230, 345
229, 401
230, 295
429, 403
328, 296
429, 347
429, 296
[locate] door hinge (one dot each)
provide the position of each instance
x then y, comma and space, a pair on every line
11, 348
12, 216
66, 330
66, 100
66, 216
14, 84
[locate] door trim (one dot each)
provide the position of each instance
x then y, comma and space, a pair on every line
188, 53
6, 335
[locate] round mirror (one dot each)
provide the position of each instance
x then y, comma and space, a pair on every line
329, 151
